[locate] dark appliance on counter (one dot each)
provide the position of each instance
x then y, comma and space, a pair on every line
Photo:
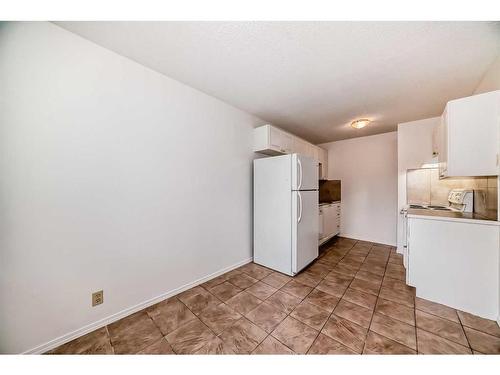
329, 191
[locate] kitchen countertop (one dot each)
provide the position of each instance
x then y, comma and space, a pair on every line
468, 217
327, 203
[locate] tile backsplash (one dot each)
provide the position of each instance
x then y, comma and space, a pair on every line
423, 186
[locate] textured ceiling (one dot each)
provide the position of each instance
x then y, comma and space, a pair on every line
314, 78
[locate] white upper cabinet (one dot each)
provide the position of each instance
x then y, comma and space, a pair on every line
323, 163
468, 136
271, 140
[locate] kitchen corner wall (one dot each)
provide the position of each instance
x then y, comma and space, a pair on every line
367, 169
491, 79
114, 177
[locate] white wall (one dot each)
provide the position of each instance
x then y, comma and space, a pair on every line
114, 177
367, 167
491, 79
414, 149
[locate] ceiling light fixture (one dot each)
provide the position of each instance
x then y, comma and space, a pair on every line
358, 124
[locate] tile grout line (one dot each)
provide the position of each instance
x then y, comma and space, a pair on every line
312, 289
374, 307
465, 333
326, 321
329, 316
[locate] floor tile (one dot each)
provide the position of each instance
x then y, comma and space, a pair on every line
170, 314
321, 299
396, 310
376, 279
283, 301
190, 337
232, 273
220, 317
243, 336
296, 289
276, 279
261, 290
480, 324
331, 287
436, 309
225, 291
159, 347
375, 268
256, 271
346, 332
394, 330
96, 342
406, 298
314, 316
214, 282
377, 344
429, 343
325, 345
266, 316
242, 280
344, 270
272, 346
215, 345
355, 313
318, 269
360, 298
308, 278
351, 262
353, 257
295, 335
339, 278
396, 259
133, 333
244, 302
395, 271
197, 299
483, 342
395, 284
365, 286
441, 327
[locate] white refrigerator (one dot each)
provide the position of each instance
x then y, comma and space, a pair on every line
286, 210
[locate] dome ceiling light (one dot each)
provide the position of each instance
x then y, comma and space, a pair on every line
359, 124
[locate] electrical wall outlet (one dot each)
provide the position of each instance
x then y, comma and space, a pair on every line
97, 298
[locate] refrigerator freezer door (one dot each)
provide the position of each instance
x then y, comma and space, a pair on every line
305, 229
304, 173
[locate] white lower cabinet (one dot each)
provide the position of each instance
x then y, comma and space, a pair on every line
329, 221
455, 263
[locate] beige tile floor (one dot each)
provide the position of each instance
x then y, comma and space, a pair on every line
352, 300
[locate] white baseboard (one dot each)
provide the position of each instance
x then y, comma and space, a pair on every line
52, 344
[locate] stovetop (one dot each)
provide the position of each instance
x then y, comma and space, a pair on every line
431, 207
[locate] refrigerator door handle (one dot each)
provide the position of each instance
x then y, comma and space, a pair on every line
299, 165
300, 207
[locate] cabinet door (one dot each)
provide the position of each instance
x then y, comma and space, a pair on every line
329, 220
472, 127
337, 218
301, 147
277, 140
